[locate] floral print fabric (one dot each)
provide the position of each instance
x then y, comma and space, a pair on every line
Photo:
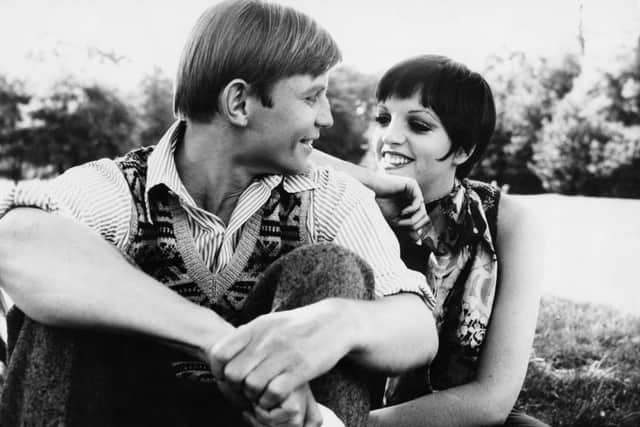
461, 267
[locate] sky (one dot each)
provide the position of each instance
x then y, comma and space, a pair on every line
41, 40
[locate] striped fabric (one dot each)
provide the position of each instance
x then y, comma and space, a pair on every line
215, 242
342, 211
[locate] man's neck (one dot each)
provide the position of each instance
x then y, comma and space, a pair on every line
204, 160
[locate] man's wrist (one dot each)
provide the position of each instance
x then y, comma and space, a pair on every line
211, 329
352, 324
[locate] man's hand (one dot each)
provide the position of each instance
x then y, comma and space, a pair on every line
298, 410
279, 352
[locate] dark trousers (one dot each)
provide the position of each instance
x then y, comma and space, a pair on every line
68, 377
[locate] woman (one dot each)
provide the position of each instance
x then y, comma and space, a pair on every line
435, 118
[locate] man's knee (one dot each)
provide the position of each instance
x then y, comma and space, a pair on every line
315, 272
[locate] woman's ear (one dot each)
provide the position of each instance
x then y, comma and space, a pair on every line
233, 102
462, 156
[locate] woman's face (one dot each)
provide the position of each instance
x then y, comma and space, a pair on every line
410, 140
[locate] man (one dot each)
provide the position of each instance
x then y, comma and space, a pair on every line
217, 219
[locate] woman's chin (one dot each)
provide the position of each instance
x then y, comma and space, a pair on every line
406, 170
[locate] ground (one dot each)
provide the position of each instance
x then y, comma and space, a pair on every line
585, 364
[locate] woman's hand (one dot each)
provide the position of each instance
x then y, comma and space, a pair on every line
401, 202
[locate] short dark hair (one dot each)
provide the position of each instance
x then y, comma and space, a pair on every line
256, 41
461, 98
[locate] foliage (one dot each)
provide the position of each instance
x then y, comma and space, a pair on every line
525, 93
77, 124
351, 95
583, 153
562, 127
156, 110
591, 144
13, 148
586, 369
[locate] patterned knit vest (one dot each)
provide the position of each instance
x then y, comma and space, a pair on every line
162, 245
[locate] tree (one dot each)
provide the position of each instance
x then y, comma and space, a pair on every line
526, 91
77, 124
13, 145
156, 110
351, 95
591, 144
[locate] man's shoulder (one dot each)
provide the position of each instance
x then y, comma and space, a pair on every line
339, 184
97, 178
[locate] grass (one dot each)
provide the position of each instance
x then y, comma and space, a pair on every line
585, 370
586, 366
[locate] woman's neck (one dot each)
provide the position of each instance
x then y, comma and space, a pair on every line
437, 190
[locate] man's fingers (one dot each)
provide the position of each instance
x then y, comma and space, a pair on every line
274, 416
257, 380
313, 417
279, 417
238, 368
278, 390
226, 349
252, 420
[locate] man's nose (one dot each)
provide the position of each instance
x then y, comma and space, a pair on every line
324, 118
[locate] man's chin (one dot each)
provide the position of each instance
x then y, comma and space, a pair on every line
296, 169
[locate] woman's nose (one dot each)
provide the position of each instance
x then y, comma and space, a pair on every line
392, 135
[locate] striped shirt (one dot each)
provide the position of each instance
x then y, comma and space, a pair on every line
341, 211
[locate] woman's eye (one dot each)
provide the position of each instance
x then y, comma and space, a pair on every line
312, 99
420, 126
382, 119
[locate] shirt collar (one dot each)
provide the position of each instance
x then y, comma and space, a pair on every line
290, 183
161, 166
161, 170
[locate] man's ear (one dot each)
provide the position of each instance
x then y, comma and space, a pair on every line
233, 102
462, 156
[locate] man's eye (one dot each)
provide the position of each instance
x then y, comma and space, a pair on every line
382, 119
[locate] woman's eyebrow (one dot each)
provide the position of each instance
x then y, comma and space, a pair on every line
427, 111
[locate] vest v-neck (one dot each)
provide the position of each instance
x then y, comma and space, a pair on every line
214, 285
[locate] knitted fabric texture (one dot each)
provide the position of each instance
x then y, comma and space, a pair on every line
101, 379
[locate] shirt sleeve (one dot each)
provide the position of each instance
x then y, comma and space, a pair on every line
350, 217
95, 194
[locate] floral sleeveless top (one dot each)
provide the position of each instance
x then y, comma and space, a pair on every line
461, 267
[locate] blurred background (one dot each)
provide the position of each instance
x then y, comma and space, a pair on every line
80, 80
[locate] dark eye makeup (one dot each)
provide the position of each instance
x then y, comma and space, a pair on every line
420, 125
383, 119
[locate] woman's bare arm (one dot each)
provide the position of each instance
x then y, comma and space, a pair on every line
504, 360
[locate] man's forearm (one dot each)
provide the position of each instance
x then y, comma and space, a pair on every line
61, 273
365, 176
394, 333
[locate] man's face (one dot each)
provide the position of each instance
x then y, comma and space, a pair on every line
280, 137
